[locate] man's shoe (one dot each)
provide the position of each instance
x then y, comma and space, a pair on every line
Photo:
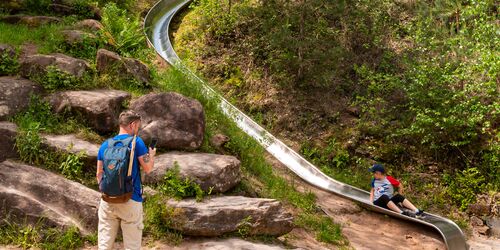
409, 214
420, 213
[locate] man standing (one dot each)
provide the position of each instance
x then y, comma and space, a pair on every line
127, 214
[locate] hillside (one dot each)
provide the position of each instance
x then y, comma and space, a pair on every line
412, 85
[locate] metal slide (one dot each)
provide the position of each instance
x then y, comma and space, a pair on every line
156, 26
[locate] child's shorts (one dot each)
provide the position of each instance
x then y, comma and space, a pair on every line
384, 199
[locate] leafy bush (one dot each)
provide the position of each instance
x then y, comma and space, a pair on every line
464, 187
175, 186
122, 30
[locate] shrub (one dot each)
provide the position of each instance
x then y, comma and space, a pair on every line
175, 186
464, 186
72, 166
121, 30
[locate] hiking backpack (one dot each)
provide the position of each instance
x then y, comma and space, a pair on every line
116, 185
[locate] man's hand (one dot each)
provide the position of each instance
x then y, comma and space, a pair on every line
147, 161
400, 189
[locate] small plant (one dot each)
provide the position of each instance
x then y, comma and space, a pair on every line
27, 236
245, 226
175, 186
9, 64
157, 221
326, 229
57, 79
72, 166
28, 144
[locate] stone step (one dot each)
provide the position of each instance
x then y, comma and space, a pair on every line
71, 144
215, 216
211, 171
31, 193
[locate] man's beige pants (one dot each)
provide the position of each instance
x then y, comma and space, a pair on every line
111, 215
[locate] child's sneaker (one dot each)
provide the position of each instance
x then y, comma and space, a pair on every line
420, 213
409, 214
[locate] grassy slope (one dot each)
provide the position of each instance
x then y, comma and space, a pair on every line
358, 117
38, 118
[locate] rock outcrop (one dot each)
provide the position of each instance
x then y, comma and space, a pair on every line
8, 133
100, 108
15, 95
89, 24
31, 193
177, 121
72, 144
110, 62
37, 64
225, 214
217, 172
32, 21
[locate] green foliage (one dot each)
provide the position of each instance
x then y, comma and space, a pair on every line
36, 235
157, 222
28, 144
46, 37
86, 48
36, 119
38, 6
326, 229
464, 186
8, 64
178, 187
39, 115
122, 30
55, 79
72, 166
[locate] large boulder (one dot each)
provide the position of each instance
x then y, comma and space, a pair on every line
177, 121
74, 145
110, 62
15, 95
37, 64
31, 193
217, 172
8, 133
226, 214
32, 21
100, 108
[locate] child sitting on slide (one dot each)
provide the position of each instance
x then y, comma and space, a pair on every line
382, 193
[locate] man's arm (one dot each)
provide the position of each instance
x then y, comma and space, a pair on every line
371, 195
148, 161
100, 171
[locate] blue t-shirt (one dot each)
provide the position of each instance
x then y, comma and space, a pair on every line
140, 150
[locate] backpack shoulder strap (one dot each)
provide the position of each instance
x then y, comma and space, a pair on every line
126, 142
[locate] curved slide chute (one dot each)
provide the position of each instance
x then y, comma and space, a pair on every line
156, 26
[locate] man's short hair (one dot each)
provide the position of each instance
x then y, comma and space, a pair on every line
127, 117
